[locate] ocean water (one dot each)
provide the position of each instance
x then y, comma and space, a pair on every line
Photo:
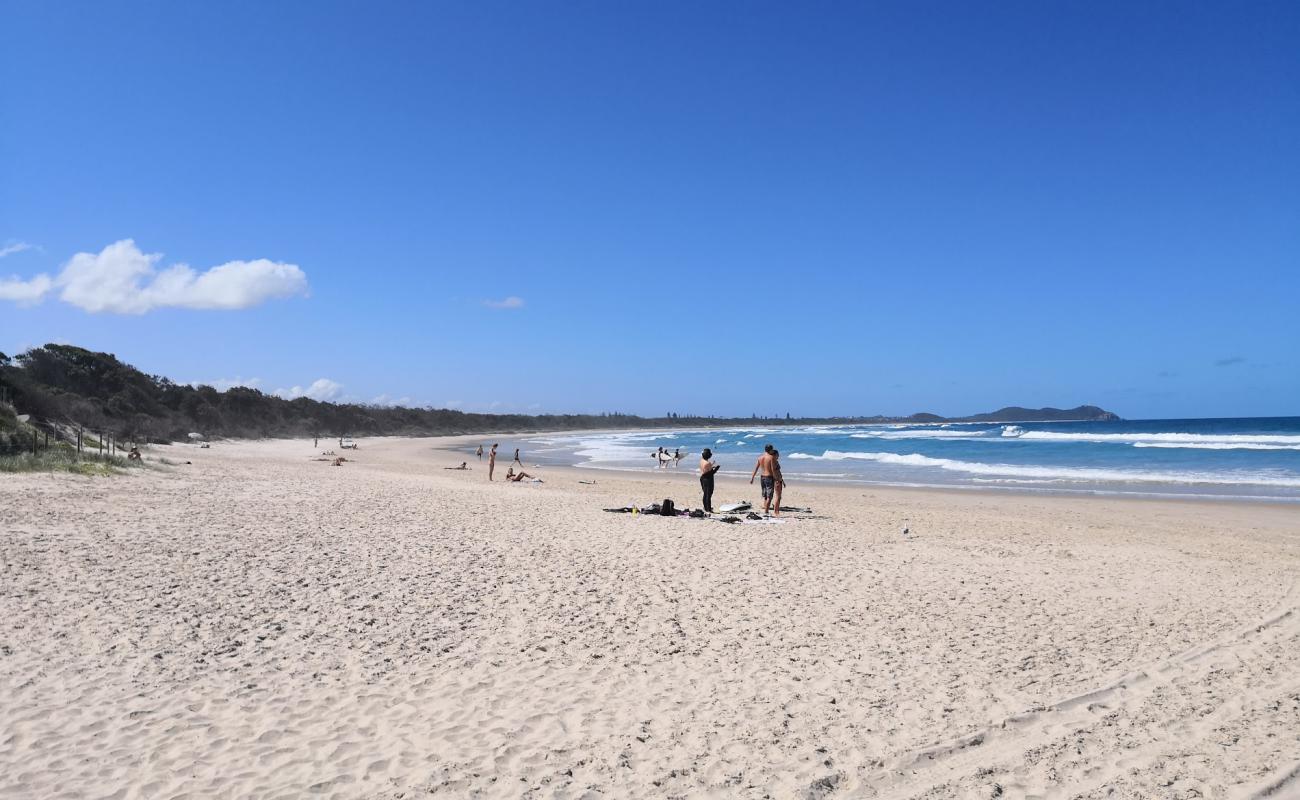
1255, 458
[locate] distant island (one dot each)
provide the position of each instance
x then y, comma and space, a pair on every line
61, 386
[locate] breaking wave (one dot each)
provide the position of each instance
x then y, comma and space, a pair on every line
1064, 474
1225, 441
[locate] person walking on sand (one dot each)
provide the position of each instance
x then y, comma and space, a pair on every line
765, 465
492, 461
479, 452
778, 482
707, 471
517, 461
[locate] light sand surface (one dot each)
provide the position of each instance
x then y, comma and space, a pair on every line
258, 624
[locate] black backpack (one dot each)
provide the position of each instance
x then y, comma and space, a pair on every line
667, 509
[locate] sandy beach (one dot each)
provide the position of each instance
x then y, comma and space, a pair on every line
260, 624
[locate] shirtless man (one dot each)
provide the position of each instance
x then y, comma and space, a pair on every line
778, 482
765, 465
492, 461
479, 452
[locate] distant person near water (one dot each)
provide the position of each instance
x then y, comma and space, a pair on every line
479, 452
492, 461
707, 470
766, 465
517, 461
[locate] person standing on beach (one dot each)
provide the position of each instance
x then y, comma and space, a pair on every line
707, 470
765, 465
778, 482
479, 452
492, 461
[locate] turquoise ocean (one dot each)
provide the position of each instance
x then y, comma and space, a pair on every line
1255, 458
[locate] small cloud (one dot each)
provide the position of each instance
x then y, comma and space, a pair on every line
1228, 362
225, 384
452, 403
495, 404
322, 389
9, 248
506, 302
389, 401
25, 293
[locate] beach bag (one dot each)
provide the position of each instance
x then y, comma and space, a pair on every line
667, 508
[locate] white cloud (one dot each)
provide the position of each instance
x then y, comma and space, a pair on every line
320, 389
387, 400
223, 384
14, 247
25, 293
120, 279
505, 302
123, 280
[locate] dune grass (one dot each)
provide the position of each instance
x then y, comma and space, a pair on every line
61, 459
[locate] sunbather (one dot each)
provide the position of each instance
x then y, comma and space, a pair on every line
511, 475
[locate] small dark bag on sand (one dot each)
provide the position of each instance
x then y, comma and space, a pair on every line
667, 508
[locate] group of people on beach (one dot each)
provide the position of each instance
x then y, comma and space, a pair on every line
663, 458
767, 470
511, 475
770, 479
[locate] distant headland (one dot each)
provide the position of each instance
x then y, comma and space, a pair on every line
64, 385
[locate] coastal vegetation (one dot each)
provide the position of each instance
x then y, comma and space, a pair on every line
62, 385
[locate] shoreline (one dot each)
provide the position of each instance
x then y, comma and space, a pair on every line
853, 484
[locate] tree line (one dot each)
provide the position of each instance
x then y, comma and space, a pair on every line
68, 385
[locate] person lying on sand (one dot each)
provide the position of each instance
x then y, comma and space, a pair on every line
511, 475
463, 465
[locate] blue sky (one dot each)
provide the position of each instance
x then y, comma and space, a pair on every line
716, 208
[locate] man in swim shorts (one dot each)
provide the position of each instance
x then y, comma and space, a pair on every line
768, 481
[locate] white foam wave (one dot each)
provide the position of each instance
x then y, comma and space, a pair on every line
1162, 438
1088, 474
1217, 446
